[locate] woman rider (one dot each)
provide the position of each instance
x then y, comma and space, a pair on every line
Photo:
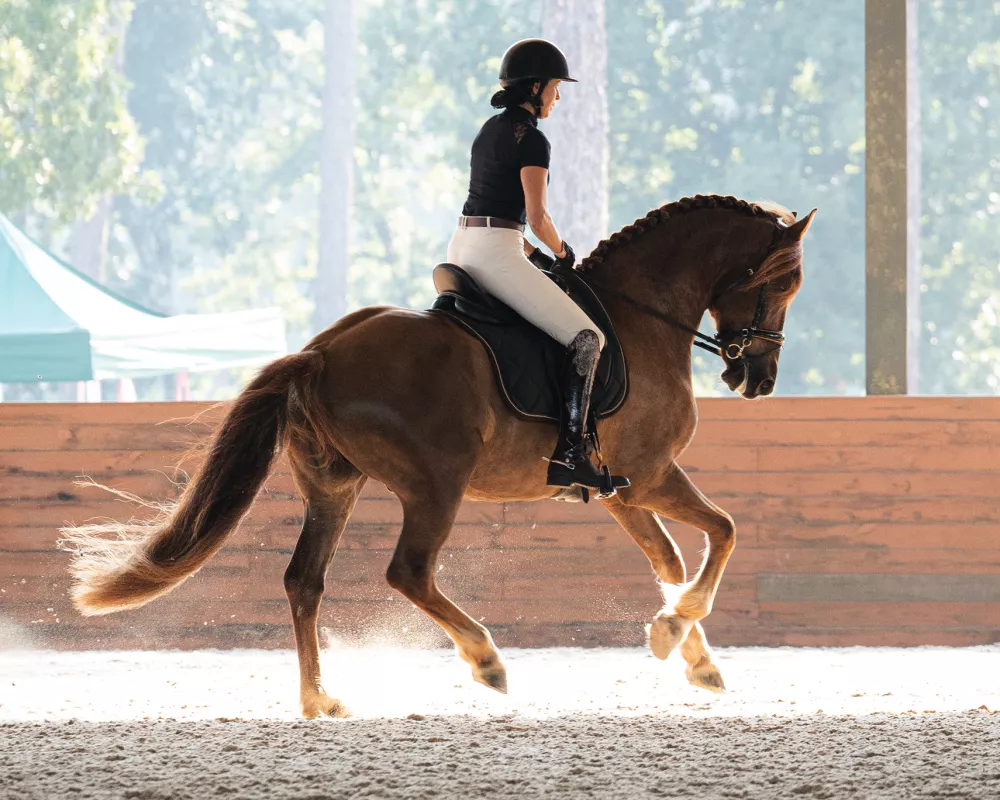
510, 172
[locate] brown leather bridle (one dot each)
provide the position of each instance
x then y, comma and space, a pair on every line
728, 345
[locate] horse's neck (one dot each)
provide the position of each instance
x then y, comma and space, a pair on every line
676, 280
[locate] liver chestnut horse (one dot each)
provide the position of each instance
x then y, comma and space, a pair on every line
407, 398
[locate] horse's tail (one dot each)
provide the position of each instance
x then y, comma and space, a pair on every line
120, 566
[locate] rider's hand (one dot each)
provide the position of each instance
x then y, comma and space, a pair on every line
540, 260
566, 261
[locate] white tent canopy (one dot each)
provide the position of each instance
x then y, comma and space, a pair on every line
56, 324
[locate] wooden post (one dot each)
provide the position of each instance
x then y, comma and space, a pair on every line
892, 196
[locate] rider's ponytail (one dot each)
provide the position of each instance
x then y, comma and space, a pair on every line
518, 93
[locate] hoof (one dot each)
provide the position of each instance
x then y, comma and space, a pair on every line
706, 676
493, 675
322, 705
666, 633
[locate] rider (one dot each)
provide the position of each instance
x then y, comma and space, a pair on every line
510, 172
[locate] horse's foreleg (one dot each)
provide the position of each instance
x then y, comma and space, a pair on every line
678, 499
427, 522
326, 515
655, 541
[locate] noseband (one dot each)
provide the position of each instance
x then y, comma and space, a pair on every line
731, 344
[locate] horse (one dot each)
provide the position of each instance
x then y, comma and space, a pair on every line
408, 399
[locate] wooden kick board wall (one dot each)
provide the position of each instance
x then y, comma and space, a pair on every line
861, 521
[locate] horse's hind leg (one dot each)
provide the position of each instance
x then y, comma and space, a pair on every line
648, 532
427, 521
329, 495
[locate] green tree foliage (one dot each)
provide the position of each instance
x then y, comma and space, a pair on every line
228, 97
960, 134
425, 75
763, 99
66, 137
222, 97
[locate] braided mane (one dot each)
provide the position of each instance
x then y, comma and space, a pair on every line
663, 213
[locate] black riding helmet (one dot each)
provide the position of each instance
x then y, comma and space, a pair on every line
536, 59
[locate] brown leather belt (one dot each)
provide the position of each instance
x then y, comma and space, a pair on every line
489, 222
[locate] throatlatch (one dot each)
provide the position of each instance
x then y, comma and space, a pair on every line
571, 463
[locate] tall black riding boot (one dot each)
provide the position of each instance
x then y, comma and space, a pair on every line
571, 462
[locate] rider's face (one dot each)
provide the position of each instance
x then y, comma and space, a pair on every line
550, 96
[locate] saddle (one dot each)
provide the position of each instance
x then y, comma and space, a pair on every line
526, 361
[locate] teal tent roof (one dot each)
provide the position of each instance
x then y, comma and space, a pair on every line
56, 324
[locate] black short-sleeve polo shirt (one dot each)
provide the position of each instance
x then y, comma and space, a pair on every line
506, 143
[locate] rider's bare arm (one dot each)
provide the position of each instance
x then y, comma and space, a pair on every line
535, 183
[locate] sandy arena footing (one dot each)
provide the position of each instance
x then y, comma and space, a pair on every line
815, 723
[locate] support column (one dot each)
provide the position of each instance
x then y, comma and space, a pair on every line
892, 196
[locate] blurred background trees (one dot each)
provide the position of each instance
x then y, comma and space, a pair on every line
182, 150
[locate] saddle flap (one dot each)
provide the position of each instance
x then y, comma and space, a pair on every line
527, 362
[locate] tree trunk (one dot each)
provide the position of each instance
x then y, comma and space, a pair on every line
578, 130
150, 233
336, 164
88, 242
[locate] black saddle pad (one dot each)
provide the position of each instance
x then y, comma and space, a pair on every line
527, 361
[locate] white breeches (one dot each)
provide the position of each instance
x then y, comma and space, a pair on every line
495, 258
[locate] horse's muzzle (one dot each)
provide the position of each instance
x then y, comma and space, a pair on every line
749, 379
735, 375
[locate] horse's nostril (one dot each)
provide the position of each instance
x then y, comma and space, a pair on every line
766, 387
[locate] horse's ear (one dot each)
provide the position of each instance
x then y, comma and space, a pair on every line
795, 232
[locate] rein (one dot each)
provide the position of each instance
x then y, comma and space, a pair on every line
729, 347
